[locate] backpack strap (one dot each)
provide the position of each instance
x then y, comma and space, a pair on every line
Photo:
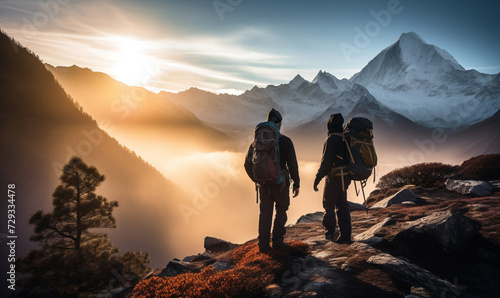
346, 143
342, 173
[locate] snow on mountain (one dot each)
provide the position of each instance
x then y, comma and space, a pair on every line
418, 81
329, 83
426, 84
297, 81
299, 101
407, 59
358, 102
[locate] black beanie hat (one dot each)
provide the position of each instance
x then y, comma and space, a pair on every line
274, 116
335, 123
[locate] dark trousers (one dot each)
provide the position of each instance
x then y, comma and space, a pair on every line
271, 196
335, 201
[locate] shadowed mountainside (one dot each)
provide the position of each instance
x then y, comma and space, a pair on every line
42, 128
108, 100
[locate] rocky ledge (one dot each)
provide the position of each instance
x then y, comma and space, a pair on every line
443, 244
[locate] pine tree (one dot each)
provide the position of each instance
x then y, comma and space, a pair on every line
76, 209
74, 258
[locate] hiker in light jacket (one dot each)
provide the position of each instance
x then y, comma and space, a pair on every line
335, 192
277, 194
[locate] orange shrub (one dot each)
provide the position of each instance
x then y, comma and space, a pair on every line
422, 174
482, 167
251, 274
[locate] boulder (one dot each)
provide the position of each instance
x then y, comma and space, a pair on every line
470, 187
318, 216
404, 195
369, 237
446, 231
355, 206
311, 217
412, 274
215, 245
174, 268
206, 256
363, 247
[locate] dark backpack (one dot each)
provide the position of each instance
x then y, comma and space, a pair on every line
264, 154
362, 159
358, 137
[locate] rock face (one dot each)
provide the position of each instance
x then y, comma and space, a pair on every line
311, 217
175, 267
440, 254
369, 237
470, 187
412, 274
404, 195
355, 206
216, 245
445, 231
318, 216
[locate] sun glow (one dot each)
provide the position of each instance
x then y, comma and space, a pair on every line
131, 63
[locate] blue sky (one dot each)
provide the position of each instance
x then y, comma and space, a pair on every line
232, 45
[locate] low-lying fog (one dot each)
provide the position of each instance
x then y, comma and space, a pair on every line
221, 198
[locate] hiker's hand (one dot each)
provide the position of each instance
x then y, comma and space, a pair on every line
316, 182
295, 192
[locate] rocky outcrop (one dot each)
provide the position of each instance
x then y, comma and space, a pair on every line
412, 274
369, 236
470, 187
318, 216
404, 195
311, 217
215, 245
176, 267
355, 206
445, 231
439, 254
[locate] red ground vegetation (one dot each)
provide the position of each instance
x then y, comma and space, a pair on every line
251, 273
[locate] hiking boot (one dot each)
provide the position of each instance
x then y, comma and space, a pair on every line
331, 236
280, 244
342, 240
264, 247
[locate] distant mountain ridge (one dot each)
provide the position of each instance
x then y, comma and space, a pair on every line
420, 81
410, 82
41, 128
108, 100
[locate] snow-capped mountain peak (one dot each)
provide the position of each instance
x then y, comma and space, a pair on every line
297, 81
416, 80
416, 52
408, 60
329, 83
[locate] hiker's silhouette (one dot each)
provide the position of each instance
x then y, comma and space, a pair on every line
335, 192
280, 163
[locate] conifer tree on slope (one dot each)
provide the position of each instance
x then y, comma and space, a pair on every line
73, 258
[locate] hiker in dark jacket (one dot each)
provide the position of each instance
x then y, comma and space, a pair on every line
276, 194
335, 192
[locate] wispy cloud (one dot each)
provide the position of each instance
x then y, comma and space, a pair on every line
93, 40
187, 45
